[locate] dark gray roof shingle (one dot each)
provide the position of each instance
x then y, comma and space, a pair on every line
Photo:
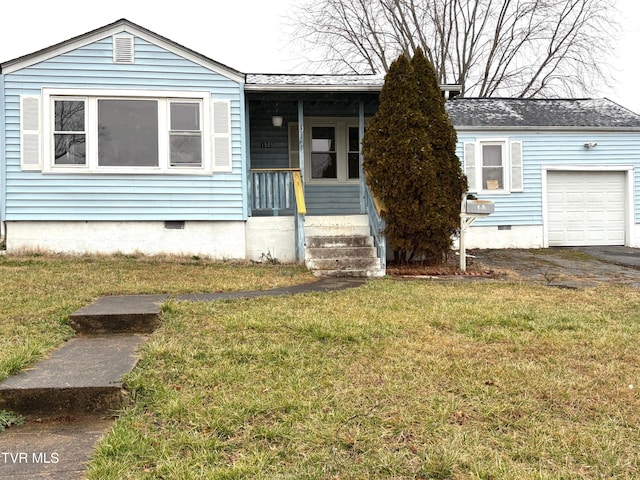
546, 113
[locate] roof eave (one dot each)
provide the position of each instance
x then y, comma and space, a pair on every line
547, 128
119, 26
312, 88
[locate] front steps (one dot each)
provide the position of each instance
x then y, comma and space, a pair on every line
341, 246
84, 376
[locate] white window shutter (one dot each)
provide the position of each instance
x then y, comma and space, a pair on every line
470, 165
30, 147
517, 182
123, 51
222, 136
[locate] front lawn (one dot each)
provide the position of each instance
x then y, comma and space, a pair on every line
38, 292
396, 379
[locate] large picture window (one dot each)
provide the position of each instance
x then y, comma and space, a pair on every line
135, 132
128, 133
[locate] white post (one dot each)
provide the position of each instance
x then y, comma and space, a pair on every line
463, 252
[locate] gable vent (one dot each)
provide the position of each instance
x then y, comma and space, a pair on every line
123, 49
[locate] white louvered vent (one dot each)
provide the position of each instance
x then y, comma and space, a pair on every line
123, 49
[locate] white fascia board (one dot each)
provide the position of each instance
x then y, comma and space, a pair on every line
312, 88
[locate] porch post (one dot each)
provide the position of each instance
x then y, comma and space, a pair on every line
301, 138
299, 219
360, 160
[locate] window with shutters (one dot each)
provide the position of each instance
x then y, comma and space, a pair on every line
135, 132
493, 166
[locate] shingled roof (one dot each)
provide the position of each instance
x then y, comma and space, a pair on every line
291, 82
485, 113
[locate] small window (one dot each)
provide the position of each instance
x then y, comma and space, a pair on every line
493, 167
185, 134
127, 133
69, 134
323, 153
354, 153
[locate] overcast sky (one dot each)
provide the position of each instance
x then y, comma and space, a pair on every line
248, 35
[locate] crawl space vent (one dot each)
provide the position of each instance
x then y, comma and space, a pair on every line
174, 225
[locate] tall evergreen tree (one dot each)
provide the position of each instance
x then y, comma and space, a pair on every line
411, 172
451, 182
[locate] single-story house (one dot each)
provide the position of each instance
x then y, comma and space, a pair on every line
121, 140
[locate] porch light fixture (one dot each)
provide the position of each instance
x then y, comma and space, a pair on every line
590, 144
276, 119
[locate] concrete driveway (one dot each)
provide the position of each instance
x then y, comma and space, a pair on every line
571, 267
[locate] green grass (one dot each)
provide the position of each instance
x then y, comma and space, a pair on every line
393, 380
38, 292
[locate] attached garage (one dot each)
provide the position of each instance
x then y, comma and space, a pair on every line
586, 208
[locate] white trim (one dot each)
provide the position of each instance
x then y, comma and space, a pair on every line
506, 165
628, 170
312, 88
91, 97
115, 93
123, 48
341, 125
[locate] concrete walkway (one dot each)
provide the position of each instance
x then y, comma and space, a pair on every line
68, 398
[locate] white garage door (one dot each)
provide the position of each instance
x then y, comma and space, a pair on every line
586, 208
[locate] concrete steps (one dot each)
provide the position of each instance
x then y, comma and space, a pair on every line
119, 314
81, 377
84, 376
341, 246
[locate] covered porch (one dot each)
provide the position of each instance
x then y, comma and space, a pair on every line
304, 156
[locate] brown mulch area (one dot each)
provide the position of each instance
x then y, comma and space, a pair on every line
451, 268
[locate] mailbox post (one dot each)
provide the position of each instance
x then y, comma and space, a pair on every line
470, 211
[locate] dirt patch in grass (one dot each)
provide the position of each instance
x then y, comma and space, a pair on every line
449, 268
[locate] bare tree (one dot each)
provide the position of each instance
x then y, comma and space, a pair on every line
521, 48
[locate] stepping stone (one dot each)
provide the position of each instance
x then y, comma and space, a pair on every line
119, 314
84, 376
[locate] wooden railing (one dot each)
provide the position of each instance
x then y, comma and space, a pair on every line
280, 191
374, 209
272, 190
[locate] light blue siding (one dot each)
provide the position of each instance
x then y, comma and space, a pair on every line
332, 199
552, 149
3, 177
38, 196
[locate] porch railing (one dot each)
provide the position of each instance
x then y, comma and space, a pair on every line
279, 191
272, 191
374, 208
